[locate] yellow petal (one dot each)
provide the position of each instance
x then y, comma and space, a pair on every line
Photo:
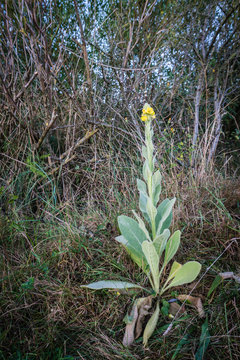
150, 111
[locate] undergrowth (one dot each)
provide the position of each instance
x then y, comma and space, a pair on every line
51, 247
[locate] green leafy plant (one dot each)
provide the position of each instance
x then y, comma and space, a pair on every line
149, 242
204, 341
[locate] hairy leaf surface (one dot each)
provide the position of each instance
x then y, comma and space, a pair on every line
151, 325
111, 284
172, 247
186, 274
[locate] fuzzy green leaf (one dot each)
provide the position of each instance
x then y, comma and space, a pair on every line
164, 215
111, 284
172, 247
135, 256
121, 239
151, 325
144, 152
153, 262
156, 186
174, 269
131, 232
142, 187
146, 171
151, 210
142, 225
165, 224
143, 206
160, 241
143, 202
186, 274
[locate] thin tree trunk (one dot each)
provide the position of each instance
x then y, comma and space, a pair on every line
197, 111
86, 61
217, 121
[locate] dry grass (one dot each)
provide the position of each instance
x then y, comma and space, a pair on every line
46, 315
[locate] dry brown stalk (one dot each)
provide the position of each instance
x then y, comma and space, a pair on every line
74, 147
46, 130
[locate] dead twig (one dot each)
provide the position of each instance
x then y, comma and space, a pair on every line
46, 130
74, 147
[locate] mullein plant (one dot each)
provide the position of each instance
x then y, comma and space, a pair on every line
148, 241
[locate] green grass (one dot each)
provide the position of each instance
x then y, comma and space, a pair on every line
49, 251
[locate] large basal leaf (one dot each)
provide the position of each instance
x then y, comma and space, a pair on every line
131, 231
172, 247
141, 262
121, 239
111, 284
160, 241
156, 186
174, 269
151, 325
164, 215
153, 262
186, 274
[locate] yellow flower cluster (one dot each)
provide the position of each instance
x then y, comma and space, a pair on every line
147, 114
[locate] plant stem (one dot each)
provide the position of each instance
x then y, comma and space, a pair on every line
149, 146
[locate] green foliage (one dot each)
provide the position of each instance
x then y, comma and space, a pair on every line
110, 284
165, 307
153, 262
151, 325
29, 284
204, 341
216, 282
164, 215
133, 235
160, 241
184, 274
172, 247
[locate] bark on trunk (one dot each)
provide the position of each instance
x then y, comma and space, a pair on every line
197, 109
217, 122
197, 112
